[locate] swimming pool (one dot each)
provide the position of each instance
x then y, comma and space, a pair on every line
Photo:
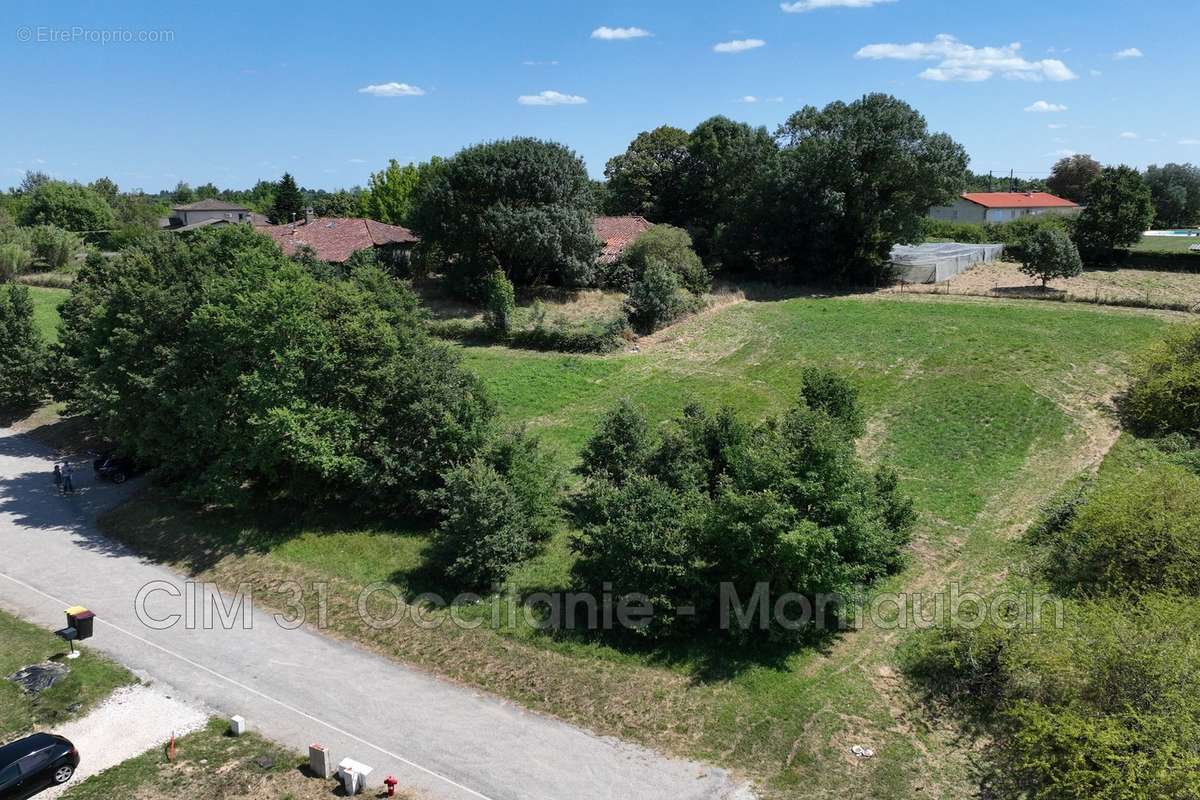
1177, 232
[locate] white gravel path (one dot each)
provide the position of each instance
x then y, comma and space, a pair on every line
131, 721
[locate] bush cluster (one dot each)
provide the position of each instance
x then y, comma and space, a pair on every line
1164, 396
713, 499
1104, 706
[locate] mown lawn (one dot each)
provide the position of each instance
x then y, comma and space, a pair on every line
91, 679
45, 309
984, 406
1165, 244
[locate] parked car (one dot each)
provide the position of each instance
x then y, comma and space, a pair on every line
37, 762
115, 468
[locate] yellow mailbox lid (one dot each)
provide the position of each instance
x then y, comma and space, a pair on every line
73, 610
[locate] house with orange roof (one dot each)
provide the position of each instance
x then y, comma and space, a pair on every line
981, 207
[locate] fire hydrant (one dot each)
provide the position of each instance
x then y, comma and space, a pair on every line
390, 782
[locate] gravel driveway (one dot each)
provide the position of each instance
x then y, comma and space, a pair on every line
131, 721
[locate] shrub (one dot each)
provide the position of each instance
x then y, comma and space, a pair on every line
1164, 396
657, 299
671, 246
14, 259
825, 390
1047, 253
1138, 536
482, 535
1102, 704
620, 446
23, 356
499, 302
643, 538
54, 247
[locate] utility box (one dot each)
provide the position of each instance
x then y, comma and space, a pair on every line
83, 624
353, 775
237, 725
81, 620
320, 761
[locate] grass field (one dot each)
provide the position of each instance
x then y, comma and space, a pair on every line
91, 679
984, 406
1165, 244
45, 310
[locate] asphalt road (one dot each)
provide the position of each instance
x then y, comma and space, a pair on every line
296, 686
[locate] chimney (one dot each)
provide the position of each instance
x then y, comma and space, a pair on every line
308, 215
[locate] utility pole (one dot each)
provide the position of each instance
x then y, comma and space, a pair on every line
1012, 180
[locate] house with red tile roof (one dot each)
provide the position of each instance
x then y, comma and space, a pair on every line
617, 233
335, 239
1002, 207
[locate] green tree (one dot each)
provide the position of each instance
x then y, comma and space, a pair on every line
68, 205
106, 188
182, 193
1175, 190
726, 163
15, 258
31, 181
392, 192
288, 203
647, 179
520, 205
23, 356
1049, 253
207, 191
1071, 176
1118, 210
218, 358
855, 180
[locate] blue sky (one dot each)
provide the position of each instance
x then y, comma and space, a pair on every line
237, 92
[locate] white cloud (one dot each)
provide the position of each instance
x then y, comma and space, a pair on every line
1189, 141
748, 99
738, 45
1042, 107
392, 89
1128, 52
1064, 153
1095, 73
801, 6
356, 161
774, 99
551, 98
1056, 126
958, 61
540, 63
616, 34
1129, 135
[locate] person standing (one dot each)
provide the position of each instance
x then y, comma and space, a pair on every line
58, 478
68, 484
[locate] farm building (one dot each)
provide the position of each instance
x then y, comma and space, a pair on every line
617, 233
335, 239
1002, 207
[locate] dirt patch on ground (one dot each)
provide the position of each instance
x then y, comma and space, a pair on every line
1126, 287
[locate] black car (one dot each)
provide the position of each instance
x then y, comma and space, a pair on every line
115, 468
29, 765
